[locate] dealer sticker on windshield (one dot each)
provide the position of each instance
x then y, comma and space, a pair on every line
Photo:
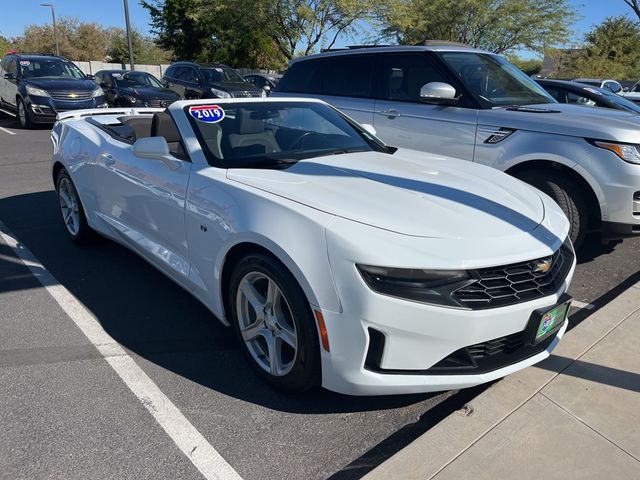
207, 113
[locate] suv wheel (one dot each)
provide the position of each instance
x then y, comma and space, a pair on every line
23, 115
567, 195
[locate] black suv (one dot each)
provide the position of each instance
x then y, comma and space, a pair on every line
126, 88
207, 80
36, 87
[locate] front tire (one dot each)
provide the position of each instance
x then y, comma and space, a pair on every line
274, 323
567, 195
71, 211
23, 115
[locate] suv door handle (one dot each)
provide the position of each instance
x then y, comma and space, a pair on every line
108, 159
390, 113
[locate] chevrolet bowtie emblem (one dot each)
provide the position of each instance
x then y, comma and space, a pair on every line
73, 95
543, 266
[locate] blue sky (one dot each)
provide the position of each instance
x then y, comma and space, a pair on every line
20, 13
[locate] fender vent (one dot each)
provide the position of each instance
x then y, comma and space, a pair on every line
492, 135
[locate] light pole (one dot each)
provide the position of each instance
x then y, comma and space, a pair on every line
126, 19
53, 17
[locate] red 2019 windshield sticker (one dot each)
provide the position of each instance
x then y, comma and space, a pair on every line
207, 113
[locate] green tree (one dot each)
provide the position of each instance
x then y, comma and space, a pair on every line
5, 45
266, 34
611, 50
496, 25
77, 40
145, 50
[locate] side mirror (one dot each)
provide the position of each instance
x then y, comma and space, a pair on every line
625, 89
267, 88
155, 148
369, 128
90, 77
10, 76
438, 93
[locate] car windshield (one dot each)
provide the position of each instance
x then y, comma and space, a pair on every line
494, 81
50, 68
275, 133
617, 100
220, 74
137, 79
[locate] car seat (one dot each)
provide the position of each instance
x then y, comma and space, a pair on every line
251, 133
163, 125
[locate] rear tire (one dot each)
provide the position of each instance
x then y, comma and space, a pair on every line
274, 323
71, 211
567, 195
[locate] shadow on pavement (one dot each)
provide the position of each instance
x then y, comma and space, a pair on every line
150, 315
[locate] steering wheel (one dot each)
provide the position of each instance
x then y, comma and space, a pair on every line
298, 141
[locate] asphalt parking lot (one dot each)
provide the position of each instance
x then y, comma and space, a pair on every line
66, 414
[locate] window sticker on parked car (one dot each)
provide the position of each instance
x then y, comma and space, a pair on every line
592, 90
25, 63
116, 75
207, 113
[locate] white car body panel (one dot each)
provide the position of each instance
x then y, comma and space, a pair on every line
319, 217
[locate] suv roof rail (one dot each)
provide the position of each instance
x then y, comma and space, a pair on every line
440, 43
351, 47
39, 54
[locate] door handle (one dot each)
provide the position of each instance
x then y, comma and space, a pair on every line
390, 113
108, 159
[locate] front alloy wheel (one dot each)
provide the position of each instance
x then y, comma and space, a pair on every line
266, 324
274, 322
23, 115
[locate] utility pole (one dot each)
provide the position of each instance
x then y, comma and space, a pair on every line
53, 18
129, 39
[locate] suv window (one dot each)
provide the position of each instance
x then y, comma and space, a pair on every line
173, 71
10, 66
347, 75
406, 74
188, 74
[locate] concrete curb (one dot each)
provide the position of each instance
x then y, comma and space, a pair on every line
432, 452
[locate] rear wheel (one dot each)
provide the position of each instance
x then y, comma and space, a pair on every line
23, 115
274, 323
567, 195
71, 211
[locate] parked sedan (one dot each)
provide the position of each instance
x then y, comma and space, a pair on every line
633, 93
586, 95
612, 85
336, 259
126, 88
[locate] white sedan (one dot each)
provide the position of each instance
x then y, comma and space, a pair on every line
336, 259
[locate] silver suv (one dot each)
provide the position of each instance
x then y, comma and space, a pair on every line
473, 105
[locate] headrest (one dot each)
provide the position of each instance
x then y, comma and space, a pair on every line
249, 125
162, 125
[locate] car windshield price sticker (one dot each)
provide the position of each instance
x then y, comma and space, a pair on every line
207, 113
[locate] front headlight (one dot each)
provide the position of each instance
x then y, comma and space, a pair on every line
428, 286
36, 92
627, 152
97, 92
220, 93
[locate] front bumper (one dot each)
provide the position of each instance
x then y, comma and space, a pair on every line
45, 109
419, 336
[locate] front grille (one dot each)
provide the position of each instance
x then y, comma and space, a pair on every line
488, 356
245, 94
70, 95
159, 103
519, 282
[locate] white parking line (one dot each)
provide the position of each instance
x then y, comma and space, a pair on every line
586, 306
7, 131
189, 440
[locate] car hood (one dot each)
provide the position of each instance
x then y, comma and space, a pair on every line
62, 84
150, 93
236, 87
565, 119
410, 193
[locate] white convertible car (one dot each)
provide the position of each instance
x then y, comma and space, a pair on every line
337, 260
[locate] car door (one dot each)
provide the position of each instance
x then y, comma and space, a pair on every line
104, 80
10, 86
142, 202
171, 80
192, 84
403, 120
